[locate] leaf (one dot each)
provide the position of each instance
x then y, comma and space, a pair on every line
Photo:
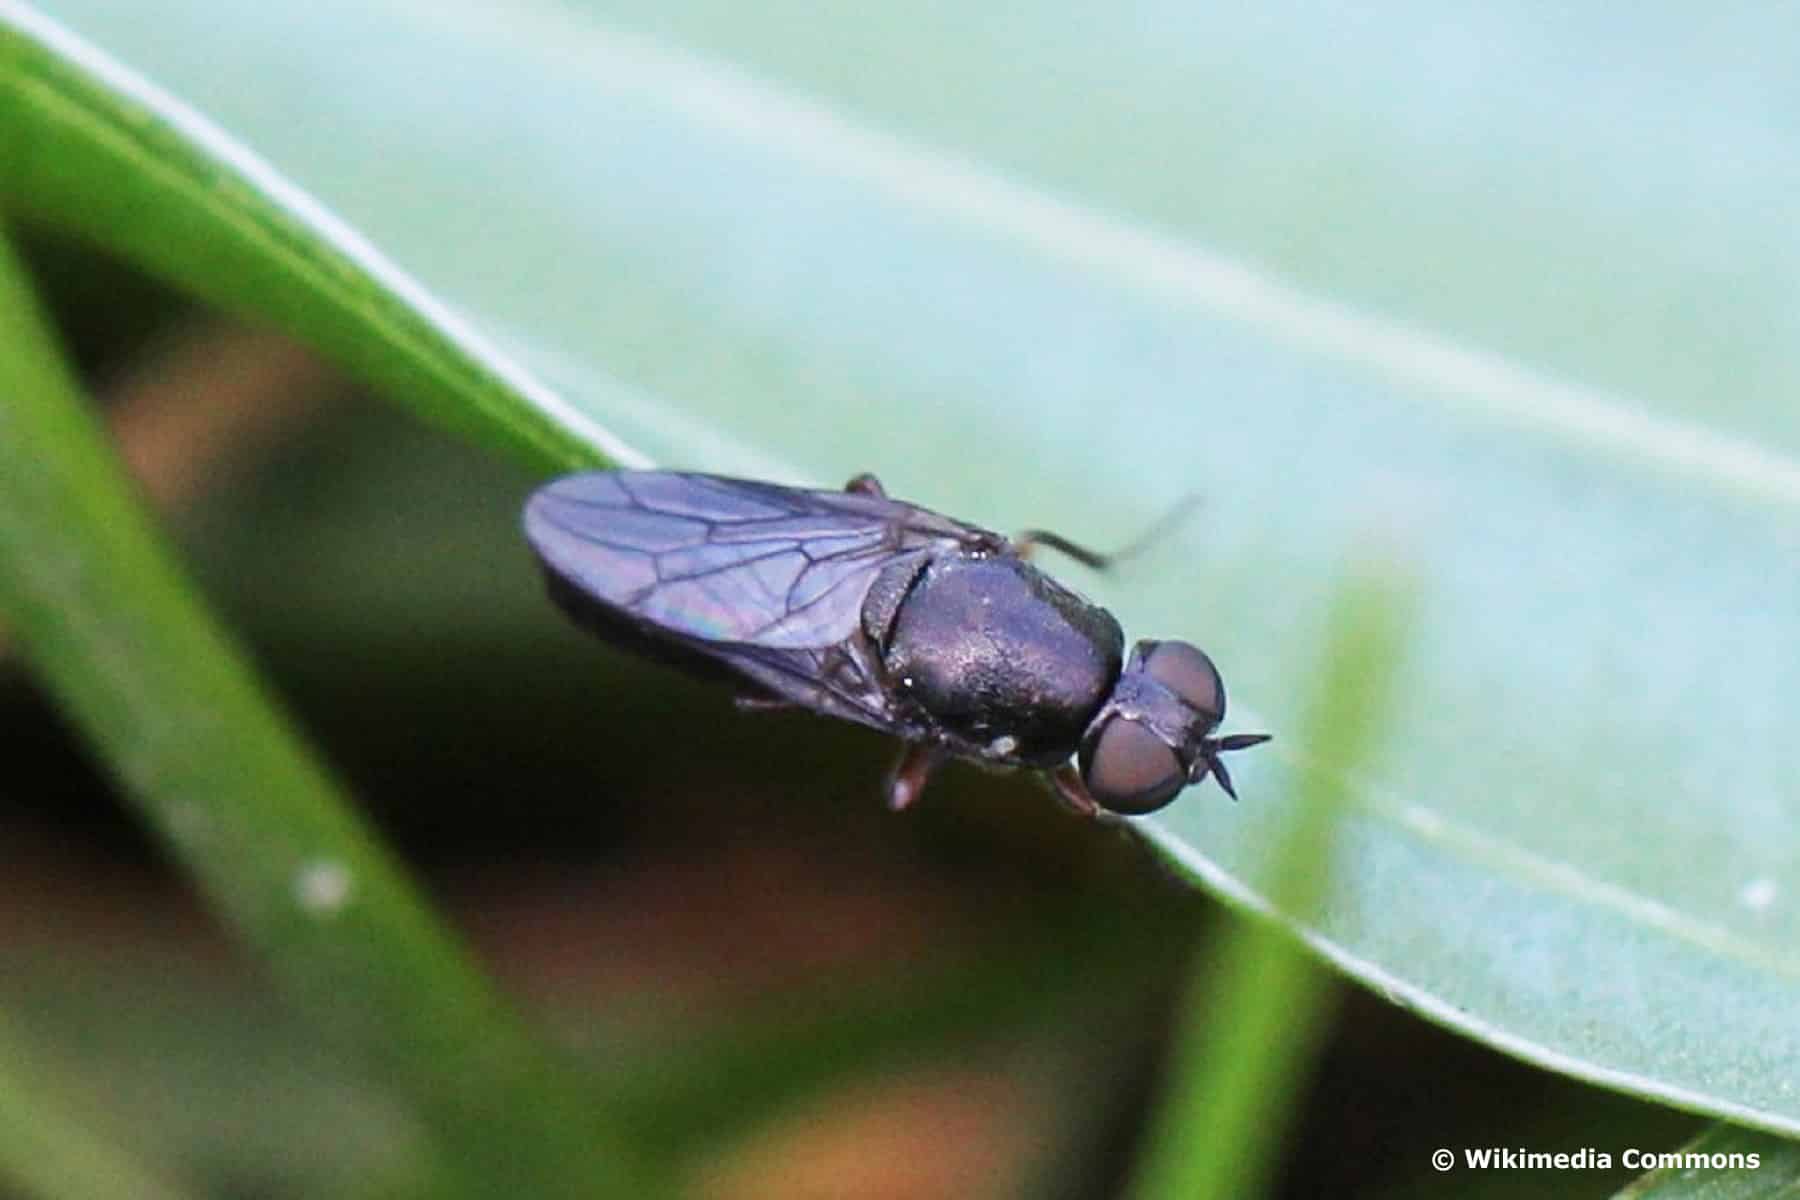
100, 150
49, 1152
1491, 287
1721, 1164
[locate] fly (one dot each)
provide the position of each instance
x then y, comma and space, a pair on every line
869, 609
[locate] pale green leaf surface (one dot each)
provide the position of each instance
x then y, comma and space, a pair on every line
1522, 298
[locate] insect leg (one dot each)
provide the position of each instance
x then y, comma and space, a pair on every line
907, 780
865, 484
1027, 540
1073, 793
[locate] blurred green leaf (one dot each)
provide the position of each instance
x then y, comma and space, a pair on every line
118, 637
1067, 327
204, 1071
1256, 1006
1724, 1163
46, 1151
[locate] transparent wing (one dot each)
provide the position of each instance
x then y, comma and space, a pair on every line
728, 561
840, 681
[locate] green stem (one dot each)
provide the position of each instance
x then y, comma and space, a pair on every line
1256, 1010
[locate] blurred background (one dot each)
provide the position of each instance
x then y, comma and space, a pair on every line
1595, 195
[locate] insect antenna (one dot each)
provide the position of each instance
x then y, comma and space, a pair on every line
1210, 760
1026, 540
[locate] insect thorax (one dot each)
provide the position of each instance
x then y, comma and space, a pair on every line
1007, 663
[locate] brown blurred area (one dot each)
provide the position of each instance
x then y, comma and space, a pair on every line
648, 870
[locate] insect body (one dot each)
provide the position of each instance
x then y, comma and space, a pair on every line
873, 610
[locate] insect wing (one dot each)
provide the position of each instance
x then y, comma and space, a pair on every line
726, 561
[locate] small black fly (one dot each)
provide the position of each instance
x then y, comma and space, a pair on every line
873, 610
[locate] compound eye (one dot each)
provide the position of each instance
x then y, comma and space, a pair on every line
1186, 671
1130, 770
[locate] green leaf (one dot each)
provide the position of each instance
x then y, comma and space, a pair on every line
100, 150
46, 1151
1489, 283
1724, 1163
